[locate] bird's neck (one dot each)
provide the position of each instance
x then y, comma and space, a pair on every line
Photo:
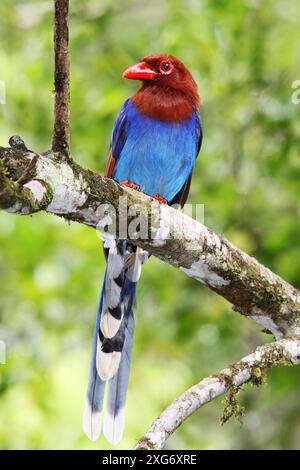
165, 104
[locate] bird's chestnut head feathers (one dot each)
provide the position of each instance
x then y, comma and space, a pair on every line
168, 90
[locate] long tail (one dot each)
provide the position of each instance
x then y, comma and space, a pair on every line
113, 339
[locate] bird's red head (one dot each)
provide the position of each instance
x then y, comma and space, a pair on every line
168, 90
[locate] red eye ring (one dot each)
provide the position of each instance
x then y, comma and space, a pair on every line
166, 67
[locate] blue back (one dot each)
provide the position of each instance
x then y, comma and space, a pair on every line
156, 155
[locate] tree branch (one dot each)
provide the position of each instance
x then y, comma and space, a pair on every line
249, 369
31, 182
61, 132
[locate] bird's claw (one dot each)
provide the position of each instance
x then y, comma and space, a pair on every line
129, 185
160, 199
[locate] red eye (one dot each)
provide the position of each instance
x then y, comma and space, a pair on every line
166, 67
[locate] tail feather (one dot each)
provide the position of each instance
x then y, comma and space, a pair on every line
113, 289
114, 280
92, 413
108, 358
113, 426
111, 320
114, 261
113, 341
134, 262
91, 421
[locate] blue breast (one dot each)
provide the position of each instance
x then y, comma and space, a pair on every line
158, 156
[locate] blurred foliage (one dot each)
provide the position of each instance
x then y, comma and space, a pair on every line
244, 56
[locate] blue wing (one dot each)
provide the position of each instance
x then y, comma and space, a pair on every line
117, 142
119, 134
199, 132
181, 197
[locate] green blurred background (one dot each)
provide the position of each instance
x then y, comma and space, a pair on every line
244, 56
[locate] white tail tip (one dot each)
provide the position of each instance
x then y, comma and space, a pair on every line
113, 427
91, 422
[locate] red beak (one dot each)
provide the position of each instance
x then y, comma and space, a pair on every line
140, 71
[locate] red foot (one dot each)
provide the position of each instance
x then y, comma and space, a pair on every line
160, 199
130, 185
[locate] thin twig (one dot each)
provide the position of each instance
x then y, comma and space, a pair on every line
61, 133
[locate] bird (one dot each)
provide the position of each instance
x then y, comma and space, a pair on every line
155, 141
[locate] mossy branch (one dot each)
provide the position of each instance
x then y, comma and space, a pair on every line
228, 380
30, 182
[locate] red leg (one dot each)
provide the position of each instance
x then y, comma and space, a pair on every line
127, 184
160, 199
